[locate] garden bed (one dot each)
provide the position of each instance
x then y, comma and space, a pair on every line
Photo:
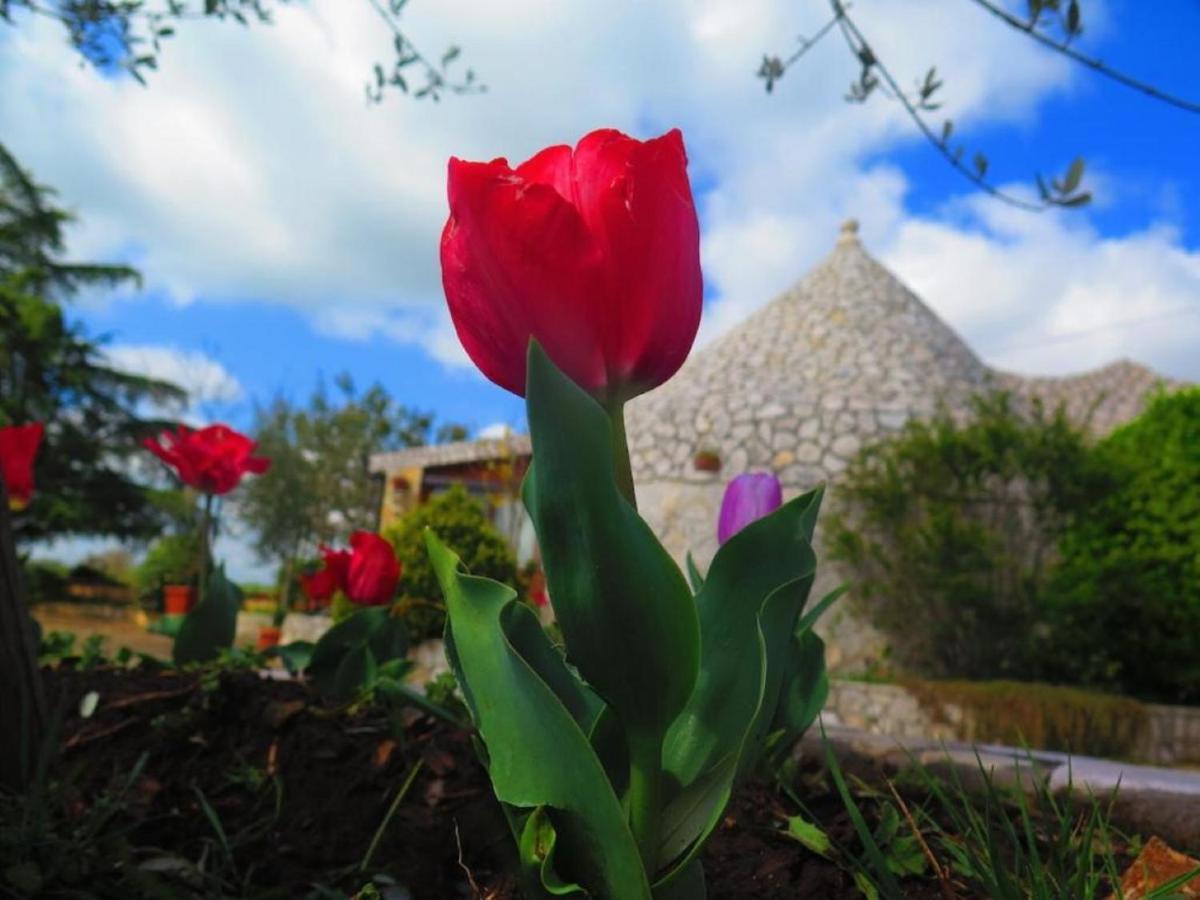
227, 783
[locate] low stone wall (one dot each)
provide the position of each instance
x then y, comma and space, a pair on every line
1161, 735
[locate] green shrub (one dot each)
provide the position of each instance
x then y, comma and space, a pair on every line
460, 521
1039, 716
46, 581
1127, 592
172, 559
951, 529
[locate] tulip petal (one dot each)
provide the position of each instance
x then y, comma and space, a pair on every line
516, 262
747, 498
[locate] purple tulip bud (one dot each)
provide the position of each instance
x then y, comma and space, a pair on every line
747, 498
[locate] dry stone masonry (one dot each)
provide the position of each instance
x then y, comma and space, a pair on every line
845, 357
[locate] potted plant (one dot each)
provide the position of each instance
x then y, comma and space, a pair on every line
707, 460
269, 635
170, 571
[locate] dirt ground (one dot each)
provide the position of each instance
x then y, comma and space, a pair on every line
120, 627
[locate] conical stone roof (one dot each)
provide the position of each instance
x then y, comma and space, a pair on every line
847, 354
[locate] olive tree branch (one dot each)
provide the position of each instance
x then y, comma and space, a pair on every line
1096, 65
862, 50
773, 67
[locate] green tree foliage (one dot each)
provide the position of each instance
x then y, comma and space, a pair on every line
172, 559
1127, 593
952, 529
319, 489
52, 373
129, 35
460, 522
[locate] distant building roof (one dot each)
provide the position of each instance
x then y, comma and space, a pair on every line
453, 454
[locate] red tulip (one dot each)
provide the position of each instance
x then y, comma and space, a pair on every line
212, 460
18, 448
595, 252
373, 572
320, 586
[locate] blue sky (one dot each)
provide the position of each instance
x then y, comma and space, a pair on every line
288, 232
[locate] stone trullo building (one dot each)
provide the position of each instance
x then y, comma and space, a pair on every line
846, 356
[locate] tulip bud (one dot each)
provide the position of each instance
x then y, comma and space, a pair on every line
748, 498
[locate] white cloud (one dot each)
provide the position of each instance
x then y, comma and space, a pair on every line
251, 167
1047, 295
205, 380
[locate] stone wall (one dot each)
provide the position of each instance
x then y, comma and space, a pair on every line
1168, 735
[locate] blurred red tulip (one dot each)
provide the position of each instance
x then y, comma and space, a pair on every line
212, 460
18, 448
595, 252
321, 585
374, 570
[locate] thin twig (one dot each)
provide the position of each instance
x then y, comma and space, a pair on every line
84, 737
807, 44
942, 876
148, 696
858, 45
462, 865
1092, 63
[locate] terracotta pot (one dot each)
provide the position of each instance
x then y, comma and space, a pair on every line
268, 637
178, 599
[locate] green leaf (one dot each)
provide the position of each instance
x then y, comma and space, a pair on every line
750, 567
805, 687
1074, 176
355, 673
808, 834
295, 656
865, 886
211, 626
536, 850
695, 579
537, 754
748, 607
353, 648
618, 595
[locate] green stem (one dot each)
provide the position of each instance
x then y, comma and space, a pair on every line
622, 469
205, 526
645, 798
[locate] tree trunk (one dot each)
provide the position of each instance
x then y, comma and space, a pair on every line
22, 696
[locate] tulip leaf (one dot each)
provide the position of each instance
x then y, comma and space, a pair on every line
805, 687
537, 753
362, 645
355, 671
695, 579
212, 625
748, 607
536, 849
749, 568
618, 596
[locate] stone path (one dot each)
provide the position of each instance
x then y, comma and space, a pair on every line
1148, 799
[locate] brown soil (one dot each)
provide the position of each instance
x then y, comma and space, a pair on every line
301, 790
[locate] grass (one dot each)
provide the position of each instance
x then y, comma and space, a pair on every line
992, 840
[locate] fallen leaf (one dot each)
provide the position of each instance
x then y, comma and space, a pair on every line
1156, 865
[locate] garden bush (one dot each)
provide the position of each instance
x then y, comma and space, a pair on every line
460, 521
1048, 717
1126, 596
172, 559
951, 530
